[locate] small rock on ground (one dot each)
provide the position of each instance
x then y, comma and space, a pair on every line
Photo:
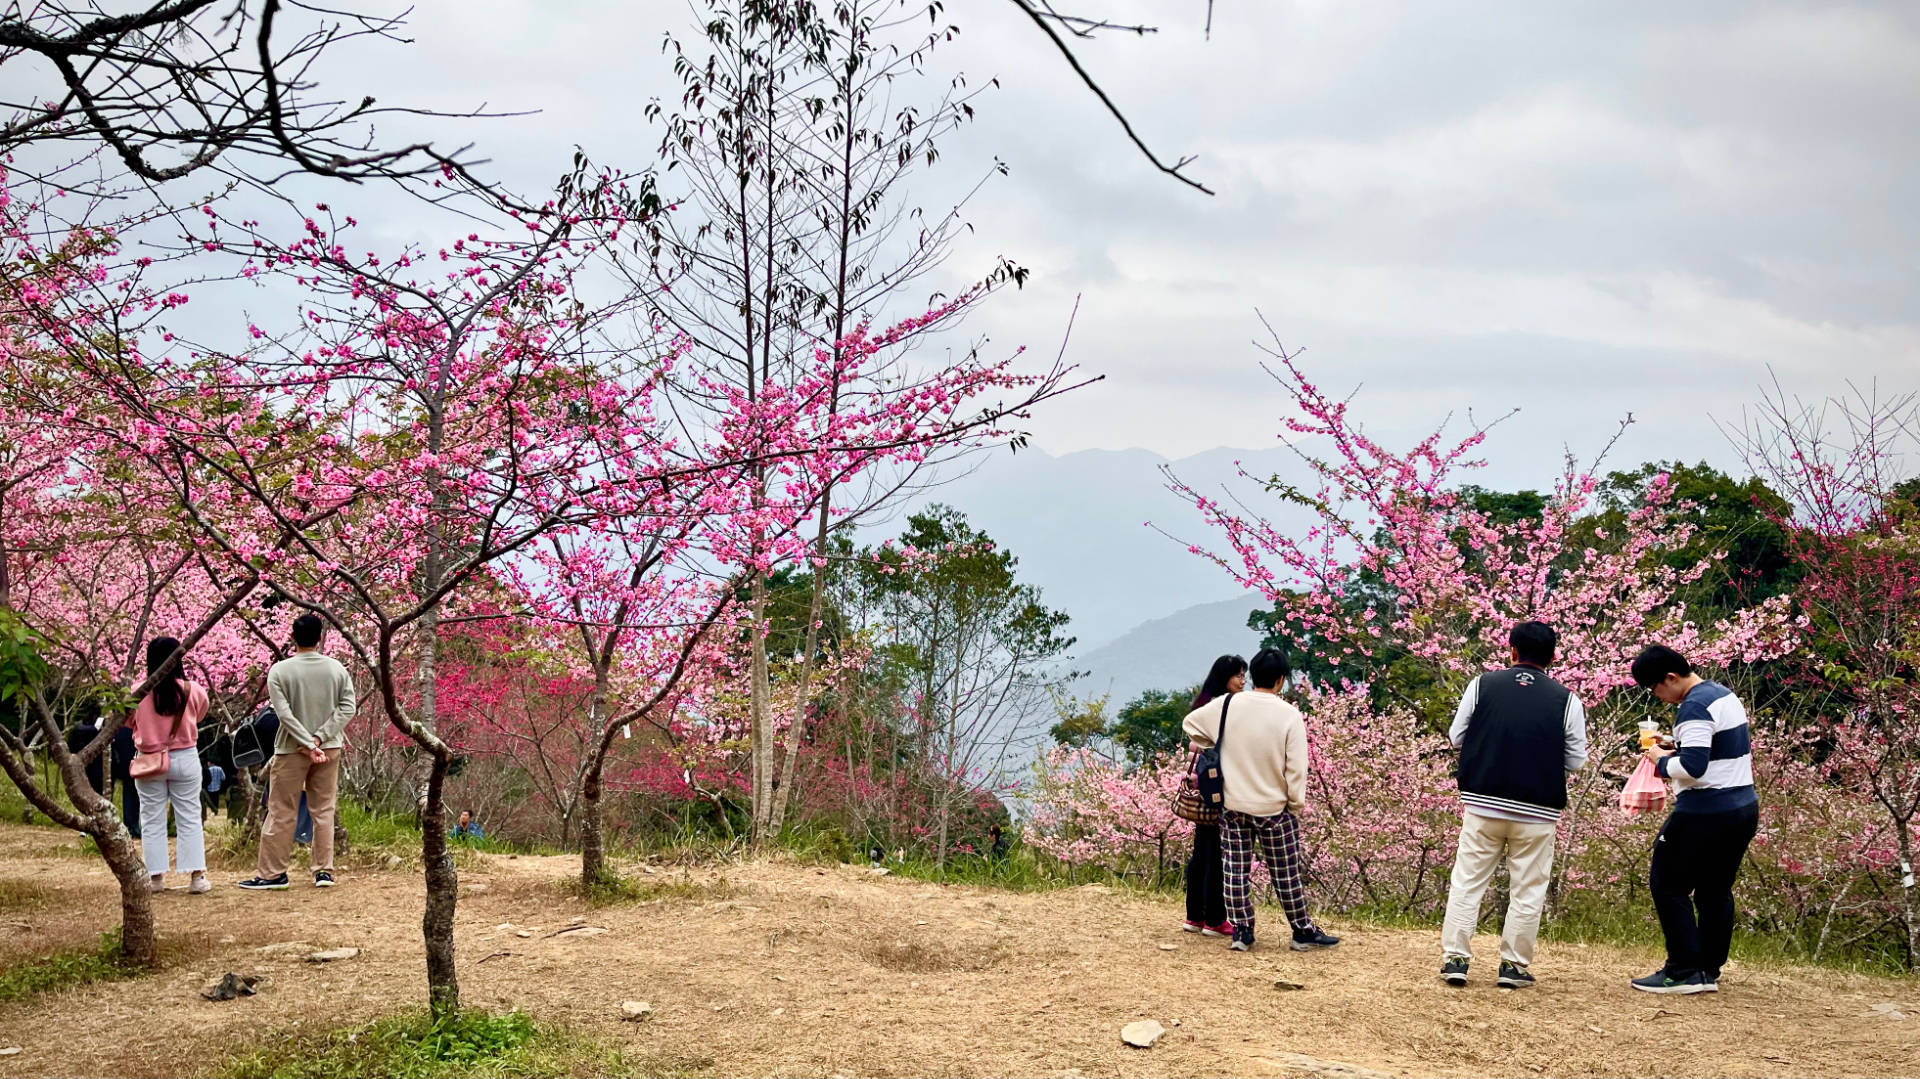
231, 987
1143, 1034
635, 1010
333, 955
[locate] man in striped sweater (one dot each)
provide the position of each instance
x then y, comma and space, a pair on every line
1519, 733
1715, 815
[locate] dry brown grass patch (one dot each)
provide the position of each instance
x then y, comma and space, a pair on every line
929, 956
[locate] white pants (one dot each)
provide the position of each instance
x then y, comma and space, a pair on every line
1528, 849
181, 786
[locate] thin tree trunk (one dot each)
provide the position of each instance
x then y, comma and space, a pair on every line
593, 849
1909, 892
761, 705
797, 728
443, 893
593, 846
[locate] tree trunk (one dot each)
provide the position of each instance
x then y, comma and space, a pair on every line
1909, 893
253, 811
797, 729
761, 704
593, 848
443, 894
92, 815
138, 946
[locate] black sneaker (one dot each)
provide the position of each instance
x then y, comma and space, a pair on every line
1242, 938
322, 878
1660, 981
1513, 976
1310, 938
265, 884
1710, 979
1454, 970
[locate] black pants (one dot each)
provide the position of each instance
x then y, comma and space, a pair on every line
130, 808
1695, 861
1206, 903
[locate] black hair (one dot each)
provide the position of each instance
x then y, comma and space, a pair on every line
307, 629
1218, 676
1534, 642
1655, 662
1269, 668
169, 697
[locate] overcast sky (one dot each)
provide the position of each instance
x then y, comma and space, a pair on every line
1581, 209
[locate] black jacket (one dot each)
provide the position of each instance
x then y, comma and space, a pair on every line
1513, 757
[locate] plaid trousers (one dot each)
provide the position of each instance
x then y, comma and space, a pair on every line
1278, 839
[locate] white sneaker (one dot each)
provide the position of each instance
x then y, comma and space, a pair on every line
157, 885
200, 886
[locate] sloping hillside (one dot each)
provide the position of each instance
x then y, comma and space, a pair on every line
1168, 653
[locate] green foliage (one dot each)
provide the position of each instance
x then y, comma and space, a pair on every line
1081, 722
1505, 507
22, 668
613, 889
415, 1045
1740, 517
65, 969
1149, 725
961, 596
1019, 870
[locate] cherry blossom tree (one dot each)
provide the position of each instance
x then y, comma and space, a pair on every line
1394, 557
1845, 466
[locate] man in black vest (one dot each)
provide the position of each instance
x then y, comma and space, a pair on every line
1519, 733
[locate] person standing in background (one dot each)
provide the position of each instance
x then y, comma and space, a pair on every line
1263, 762
1519, 734
1206, 901
314, 697
167, 720
1715, 815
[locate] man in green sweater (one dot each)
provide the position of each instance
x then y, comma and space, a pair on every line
314, 698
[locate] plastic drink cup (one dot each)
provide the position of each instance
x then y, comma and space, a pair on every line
1649, 734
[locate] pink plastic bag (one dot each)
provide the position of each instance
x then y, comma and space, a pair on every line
1645, 790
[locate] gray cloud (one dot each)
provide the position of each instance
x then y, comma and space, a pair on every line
1586, 208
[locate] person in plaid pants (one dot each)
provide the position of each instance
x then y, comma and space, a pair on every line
1277, 839
1262, 743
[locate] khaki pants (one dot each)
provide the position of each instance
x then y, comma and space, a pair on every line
287, 777
1528, 848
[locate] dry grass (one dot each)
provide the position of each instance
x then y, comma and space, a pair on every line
21, 896
929, 957
789, 969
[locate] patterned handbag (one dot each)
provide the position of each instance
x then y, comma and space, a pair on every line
1202, 788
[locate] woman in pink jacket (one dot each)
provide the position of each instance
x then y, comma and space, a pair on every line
168, 720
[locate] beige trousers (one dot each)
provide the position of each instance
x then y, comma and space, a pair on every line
290, 774
1528, 849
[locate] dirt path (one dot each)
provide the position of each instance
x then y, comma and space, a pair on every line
769, 968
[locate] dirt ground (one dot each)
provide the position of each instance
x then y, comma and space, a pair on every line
770, 968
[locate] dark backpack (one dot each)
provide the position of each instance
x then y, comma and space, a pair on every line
1207, 776
253, 742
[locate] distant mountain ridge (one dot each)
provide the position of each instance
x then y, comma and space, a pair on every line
1171, 653
1078, 523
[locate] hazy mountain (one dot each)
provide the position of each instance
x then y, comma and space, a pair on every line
1079, 525
1167, 653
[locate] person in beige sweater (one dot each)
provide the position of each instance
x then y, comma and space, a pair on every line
1263, 765
314, 697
